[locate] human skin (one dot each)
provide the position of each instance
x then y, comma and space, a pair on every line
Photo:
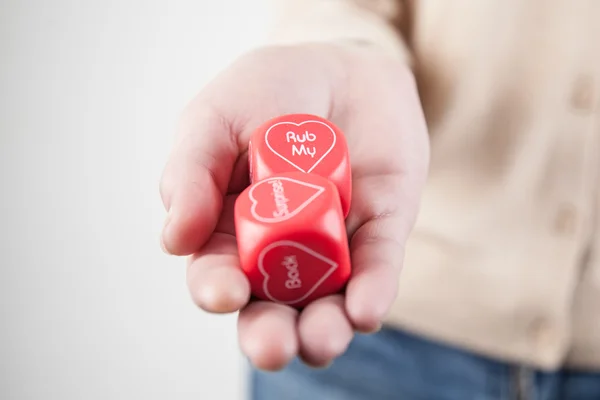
373, 98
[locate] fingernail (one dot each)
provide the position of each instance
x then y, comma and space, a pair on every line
378, 328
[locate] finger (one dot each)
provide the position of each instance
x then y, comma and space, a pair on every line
267, 334
377, 250
389, 205
196, 178
214, 278
382, 216
324, 331
387, 185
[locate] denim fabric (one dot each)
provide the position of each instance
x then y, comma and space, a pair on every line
395, 365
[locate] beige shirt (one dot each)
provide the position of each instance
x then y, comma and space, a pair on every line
505, 255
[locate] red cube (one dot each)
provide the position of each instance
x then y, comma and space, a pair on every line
304, 143
292, 238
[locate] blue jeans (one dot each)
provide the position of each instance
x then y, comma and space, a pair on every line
395, 365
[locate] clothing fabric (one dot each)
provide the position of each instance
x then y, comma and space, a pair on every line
505, 255
394, 365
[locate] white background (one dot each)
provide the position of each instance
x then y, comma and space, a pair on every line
90, 92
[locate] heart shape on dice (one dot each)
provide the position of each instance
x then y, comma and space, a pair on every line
278, 199
302, 145
292, 271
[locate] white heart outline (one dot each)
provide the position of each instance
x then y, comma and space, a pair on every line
273, 220
300, 124
302, 247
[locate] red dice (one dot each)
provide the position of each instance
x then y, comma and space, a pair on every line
304, 143
292, 238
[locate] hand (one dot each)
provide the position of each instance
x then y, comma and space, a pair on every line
374, 100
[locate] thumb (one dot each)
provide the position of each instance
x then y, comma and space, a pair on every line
196, 178
215, 130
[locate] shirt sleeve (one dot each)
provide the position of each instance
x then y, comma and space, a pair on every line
370, 21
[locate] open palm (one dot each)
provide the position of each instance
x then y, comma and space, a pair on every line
374, 101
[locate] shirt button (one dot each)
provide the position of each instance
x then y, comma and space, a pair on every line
582, 96
565, 220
